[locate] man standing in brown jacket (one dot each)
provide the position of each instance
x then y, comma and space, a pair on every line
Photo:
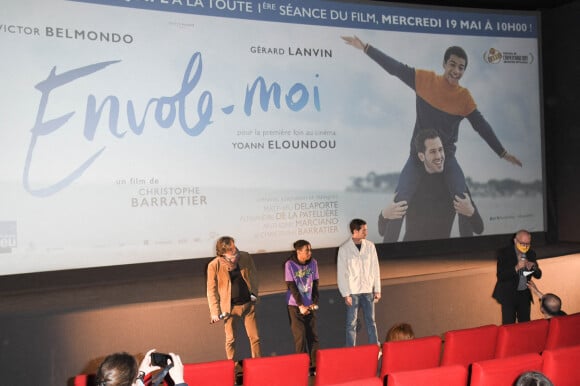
232, 290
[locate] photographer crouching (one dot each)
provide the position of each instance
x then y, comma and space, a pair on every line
122, 369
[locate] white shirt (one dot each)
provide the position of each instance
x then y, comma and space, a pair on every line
358, 272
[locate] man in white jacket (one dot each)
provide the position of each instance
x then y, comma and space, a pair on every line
359, 280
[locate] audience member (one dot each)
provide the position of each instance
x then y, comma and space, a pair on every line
550, 304
122, 369
400, 331
397, 332
301, 275
359, 280
516, 264
533, 378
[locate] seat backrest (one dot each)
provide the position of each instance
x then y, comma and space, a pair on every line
563, 331
503, 371
84, 380
217, 372
521, 338
454, 375
281, 370
374, 381
562, 365
413, 354
468, 345
345, 364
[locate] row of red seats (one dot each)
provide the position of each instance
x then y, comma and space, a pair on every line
469, 345
559, 365
357, 366
489, 349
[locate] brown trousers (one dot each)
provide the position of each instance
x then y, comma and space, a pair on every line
247, 313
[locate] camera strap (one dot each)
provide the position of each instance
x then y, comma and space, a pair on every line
160, 376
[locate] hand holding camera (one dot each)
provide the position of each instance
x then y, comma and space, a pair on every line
169, 363
161, 360
154, 361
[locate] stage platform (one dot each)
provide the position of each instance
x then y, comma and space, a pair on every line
113, 286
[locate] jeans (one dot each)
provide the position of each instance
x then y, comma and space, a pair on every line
366, 301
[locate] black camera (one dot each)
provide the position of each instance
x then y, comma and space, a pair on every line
159, 359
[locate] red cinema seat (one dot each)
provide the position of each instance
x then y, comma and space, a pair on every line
216, 373
84, 380
361, 382
468, 345
504, 371
562, 365
413, 354
563, 331
282, 370
346, 364
454, 375
521, 338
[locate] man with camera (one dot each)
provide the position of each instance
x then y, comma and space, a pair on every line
123, 369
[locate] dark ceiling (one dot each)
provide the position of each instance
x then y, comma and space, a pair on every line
527, 5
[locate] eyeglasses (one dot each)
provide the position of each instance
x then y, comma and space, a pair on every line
523, 244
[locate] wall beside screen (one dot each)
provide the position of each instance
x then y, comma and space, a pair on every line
139, 132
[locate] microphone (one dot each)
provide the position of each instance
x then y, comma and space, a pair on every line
309, 309
221, 316
522, 258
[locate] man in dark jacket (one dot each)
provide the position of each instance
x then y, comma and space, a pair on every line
516, 265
